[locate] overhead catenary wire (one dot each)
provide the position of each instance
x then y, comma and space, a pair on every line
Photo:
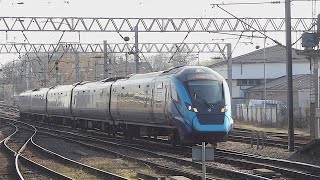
35, 51
54, 50
259, 3
138, 54
268, 37
178, 48
250, 3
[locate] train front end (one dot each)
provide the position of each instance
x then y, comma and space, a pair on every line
204, 103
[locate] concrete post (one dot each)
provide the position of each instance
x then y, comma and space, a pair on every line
229, 67
316, 95
105, 59
136, 54
77, 66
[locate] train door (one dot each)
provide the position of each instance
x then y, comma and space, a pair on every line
159, 102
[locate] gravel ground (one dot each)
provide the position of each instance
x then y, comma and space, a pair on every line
274, 152
53, 164
32, 174
93, 158
166, 162
5, 131
7, 170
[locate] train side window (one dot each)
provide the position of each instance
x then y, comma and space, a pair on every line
160, 85
174, 95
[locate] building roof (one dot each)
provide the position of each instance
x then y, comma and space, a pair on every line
274, 54
301, 81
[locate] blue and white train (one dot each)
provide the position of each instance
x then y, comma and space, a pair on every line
187, 104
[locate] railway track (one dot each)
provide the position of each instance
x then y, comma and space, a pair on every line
27, 159
272, 139
292, 170
178, 165
7, 168
238, 134
25, 168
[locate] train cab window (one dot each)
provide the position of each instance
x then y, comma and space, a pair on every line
206, 90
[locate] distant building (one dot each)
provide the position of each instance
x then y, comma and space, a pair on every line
277, 90
248, 69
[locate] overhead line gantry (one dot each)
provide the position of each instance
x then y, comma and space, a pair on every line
85, 24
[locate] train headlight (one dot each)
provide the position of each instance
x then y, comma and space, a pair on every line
190, 108
224, 109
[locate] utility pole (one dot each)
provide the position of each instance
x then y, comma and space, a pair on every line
105, 59
136, 54
77, 66
44, 73
229, 68
13, 80
316, 94
289, 74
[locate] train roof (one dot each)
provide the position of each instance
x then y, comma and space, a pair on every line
41, 91
144, 76
26, 93
96, 85
61, 88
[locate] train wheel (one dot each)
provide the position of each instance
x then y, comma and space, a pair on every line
174, 138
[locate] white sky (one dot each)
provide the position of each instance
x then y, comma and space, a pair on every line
145, 8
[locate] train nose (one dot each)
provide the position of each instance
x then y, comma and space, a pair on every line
206, 123
210, 119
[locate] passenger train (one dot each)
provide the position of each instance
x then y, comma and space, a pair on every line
189, 105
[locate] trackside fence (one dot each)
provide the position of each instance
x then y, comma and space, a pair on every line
271, 115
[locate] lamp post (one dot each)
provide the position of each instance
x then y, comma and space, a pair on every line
63, 77
126, 39
265, 80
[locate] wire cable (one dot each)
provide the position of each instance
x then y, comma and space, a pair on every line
49, 59
275, 41
35, 51
249, 3
259, 3
178, 48
138, 54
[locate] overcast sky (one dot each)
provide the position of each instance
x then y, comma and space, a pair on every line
147, 8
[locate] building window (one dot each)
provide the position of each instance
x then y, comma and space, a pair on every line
248, 82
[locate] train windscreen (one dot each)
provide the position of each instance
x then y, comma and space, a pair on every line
209, 91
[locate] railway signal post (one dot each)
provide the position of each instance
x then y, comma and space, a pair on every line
203, 154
